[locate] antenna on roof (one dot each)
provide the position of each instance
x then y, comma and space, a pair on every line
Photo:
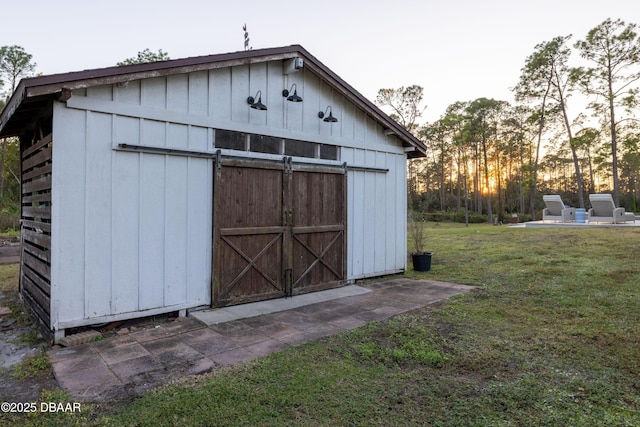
246, 38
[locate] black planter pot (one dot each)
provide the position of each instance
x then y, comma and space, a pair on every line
422, 261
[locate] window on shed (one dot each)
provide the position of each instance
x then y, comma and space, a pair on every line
293, 147
328, 152
230, 140
265, 144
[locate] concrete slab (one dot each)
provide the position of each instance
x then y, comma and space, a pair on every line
227, 314
130, 368
122, 366
88, 384
180, 326
213, 346
233, 357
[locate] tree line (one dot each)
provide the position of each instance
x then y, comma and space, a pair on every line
494, 158
487, 157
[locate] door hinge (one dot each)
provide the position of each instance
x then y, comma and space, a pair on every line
219, 163
288, 166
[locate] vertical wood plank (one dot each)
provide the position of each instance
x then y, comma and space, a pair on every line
154, 92
68, 214
178, 93
128, 93
178, 136
198, 93
391, 213
369, 214
312, 104
198, 138
153, 133
359, 126
126, 130
200, 225
101, 92
220, 94
98, 196
258, 81
152, 231
240, 90
348, 120
401, 203
294, 111
382, 246
126, 233
357, 215
177, 202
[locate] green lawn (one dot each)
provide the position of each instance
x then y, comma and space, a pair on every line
551, 337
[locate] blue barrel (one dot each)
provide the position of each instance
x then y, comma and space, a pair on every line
581, 215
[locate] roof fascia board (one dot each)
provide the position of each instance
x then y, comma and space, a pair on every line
107, 79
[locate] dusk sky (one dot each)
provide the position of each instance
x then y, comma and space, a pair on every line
457, 50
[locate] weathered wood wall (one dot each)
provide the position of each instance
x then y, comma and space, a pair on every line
35, 271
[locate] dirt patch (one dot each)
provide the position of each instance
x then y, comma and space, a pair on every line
19, 340
9, 250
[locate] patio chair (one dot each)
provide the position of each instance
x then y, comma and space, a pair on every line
556, 209
604, 210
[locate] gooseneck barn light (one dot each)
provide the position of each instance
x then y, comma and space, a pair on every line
257, 105
329, 118
294, 97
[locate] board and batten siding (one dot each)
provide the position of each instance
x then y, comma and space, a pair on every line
132, 231
376, 213
217, 99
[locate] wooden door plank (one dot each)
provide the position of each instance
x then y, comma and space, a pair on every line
248, 232
319, 229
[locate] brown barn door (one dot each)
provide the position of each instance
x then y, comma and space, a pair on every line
277, 231
248, 232
318, 229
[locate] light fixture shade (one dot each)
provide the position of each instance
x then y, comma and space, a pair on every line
294, 97
329, 118
256, 105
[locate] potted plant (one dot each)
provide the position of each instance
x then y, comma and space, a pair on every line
421, 259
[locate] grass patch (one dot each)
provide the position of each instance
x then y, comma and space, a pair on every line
32, 366
550, 337
31, 337
401, 341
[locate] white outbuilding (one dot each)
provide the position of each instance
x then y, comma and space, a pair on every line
202, 182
